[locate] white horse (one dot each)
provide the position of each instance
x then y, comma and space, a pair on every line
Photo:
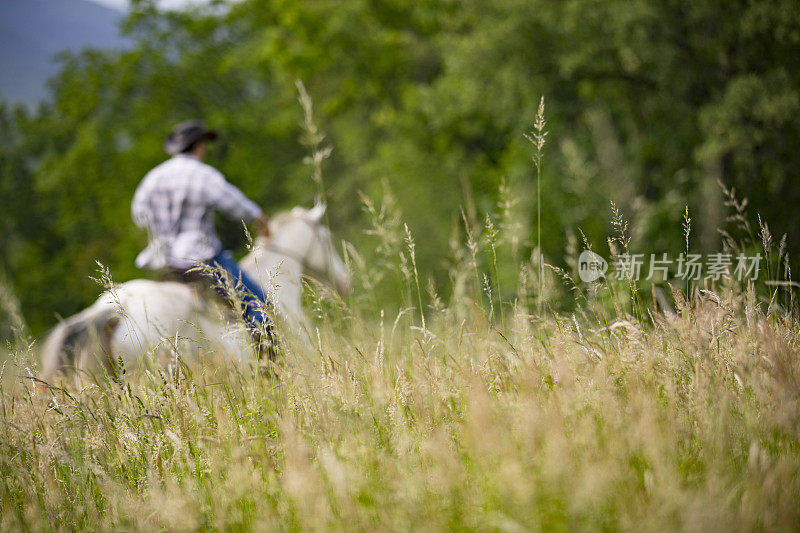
142, 318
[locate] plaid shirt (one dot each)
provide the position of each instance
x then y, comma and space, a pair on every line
175, 202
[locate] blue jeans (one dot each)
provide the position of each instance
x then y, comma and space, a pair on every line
249, 292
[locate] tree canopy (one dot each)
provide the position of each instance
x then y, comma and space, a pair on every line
649, 104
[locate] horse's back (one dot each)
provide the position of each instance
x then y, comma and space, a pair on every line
152, 313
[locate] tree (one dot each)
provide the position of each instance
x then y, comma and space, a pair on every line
648, 104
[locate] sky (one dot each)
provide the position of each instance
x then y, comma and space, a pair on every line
169, 4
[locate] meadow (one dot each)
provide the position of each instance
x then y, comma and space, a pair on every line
483, 414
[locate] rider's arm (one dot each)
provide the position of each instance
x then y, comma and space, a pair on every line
230, 200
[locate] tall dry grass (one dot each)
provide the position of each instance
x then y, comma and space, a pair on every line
474, 413
589, 420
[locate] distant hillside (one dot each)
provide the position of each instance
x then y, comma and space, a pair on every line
32, 32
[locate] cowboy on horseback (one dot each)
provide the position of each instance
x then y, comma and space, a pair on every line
176, 202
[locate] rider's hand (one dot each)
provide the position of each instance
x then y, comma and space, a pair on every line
262, 226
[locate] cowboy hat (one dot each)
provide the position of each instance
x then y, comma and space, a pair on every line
187, 133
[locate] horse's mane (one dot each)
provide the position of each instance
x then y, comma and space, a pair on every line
282, 218
278, 220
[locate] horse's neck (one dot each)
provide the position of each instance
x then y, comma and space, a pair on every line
278, 274
268, 267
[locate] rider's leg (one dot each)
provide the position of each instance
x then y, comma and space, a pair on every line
254, 299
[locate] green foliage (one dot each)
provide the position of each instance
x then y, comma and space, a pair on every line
649, 103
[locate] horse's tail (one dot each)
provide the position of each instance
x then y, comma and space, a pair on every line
72, 340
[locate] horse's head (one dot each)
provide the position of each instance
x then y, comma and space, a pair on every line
301, 235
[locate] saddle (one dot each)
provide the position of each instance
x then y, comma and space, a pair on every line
203, 285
